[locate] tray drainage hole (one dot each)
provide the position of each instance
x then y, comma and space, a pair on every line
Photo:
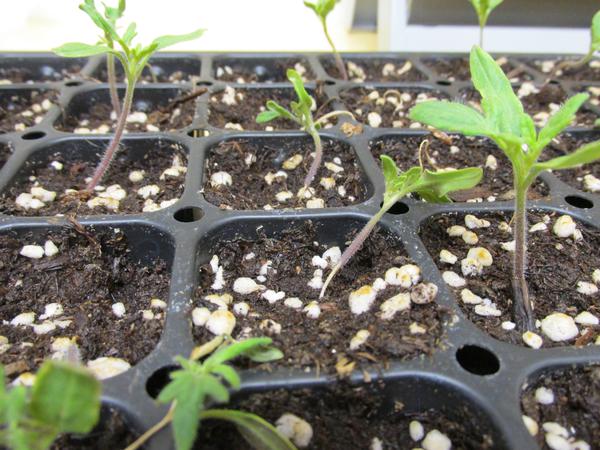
203, 83
73, 83
477, 360
32, 135
190, 214
579, 202
158, 380
444, 83
198, 133
329, 82
398, 208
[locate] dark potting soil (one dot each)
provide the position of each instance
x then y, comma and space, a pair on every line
576, 403
23, 109
321, 342
552, 273
586, 72
250, 102
346, 417
176, 114
260, 70
158, 157
91, 272
458, 69
473, 153
112, 432
394, 111
373, 68
249, 189
568, 143
5, 152
536, 103
181, 71
41, 74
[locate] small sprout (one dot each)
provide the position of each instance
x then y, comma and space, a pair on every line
63, 399
431, 186
593, 48
133, 58
483, 8
322, 8
197, 384
301, 113
505, 122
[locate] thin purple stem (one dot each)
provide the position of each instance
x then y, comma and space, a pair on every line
116, 139
312, 172
112, 84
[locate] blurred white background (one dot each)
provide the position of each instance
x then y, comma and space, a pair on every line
245, 25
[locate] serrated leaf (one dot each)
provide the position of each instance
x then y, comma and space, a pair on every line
586, 154
390, 172
267, 116
80, 50
502, 108
65, 397
229, 352
440, 183
448, 116
263, 354
259, 433
561, 119
229, 374
172, 39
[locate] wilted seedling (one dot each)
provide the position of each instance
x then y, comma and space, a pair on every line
594, 47
322, 8
505, 122
63, 399
429, 185
197, 384
133, 59
483, 8
301, 113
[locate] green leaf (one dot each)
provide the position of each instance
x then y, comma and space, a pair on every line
447, 116
263, 354
79, 50
436, 185
229, 352
259, 433
267, 116
90, 9
172, 39
586, 154
65, 397
502, 109
305, 100
130, 33
561, 119
597, 123
483, 8
595, 30
113, 14
229, 374
321, 7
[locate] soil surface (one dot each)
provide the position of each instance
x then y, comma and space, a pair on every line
390, 105
98, 117
23, 109
555, 265
112, 432
458, 69
5, 152
586, 72
374, 69
246, 104
346, 417
473, 152
576, 404
43, 73
242, 70
567, 143
250, 190
90, 273
541, 104
159, 156
320, 341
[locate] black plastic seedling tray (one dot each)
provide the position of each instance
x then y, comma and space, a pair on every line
470, 368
